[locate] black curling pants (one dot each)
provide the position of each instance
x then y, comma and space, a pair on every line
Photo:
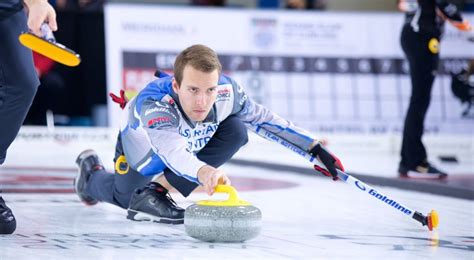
18, 79
423, 61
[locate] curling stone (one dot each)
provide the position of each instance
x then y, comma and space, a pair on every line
231, 220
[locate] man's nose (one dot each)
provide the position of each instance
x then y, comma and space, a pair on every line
201, 99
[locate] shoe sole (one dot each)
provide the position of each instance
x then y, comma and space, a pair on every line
422, 176
7, 228
79, 160
141, 216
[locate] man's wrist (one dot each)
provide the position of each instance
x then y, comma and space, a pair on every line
32, 2
313, 144
202, 170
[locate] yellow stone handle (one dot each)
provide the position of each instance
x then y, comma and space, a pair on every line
233, 199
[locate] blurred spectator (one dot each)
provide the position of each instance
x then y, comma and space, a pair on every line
51, 94
82, 29
462, 85
209, 2
83, 5
306, 4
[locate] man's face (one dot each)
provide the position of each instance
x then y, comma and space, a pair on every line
197, 92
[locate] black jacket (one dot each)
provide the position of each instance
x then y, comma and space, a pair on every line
427, 16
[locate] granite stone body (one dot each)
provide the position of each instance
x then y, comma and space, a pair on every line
222, 223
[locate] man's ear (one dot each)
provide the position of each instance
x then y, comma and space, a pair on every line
175, 85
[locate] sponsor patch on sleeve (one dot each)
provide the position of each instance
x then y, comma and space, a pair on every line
160, 115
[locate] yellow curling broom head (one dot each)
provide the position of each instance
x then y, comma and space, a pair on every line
433, 220
52, 50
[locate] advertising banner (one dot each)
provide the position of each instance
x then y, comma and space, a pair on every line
335, 73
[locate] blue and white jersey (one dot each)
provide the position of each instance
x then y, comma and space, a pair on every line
157, 134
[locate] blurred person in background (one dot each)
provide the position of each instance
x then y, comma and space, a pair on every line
18, 78
208, 2
84, 5
462, 86
421, 33
306, 4
85, 89
52, 92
